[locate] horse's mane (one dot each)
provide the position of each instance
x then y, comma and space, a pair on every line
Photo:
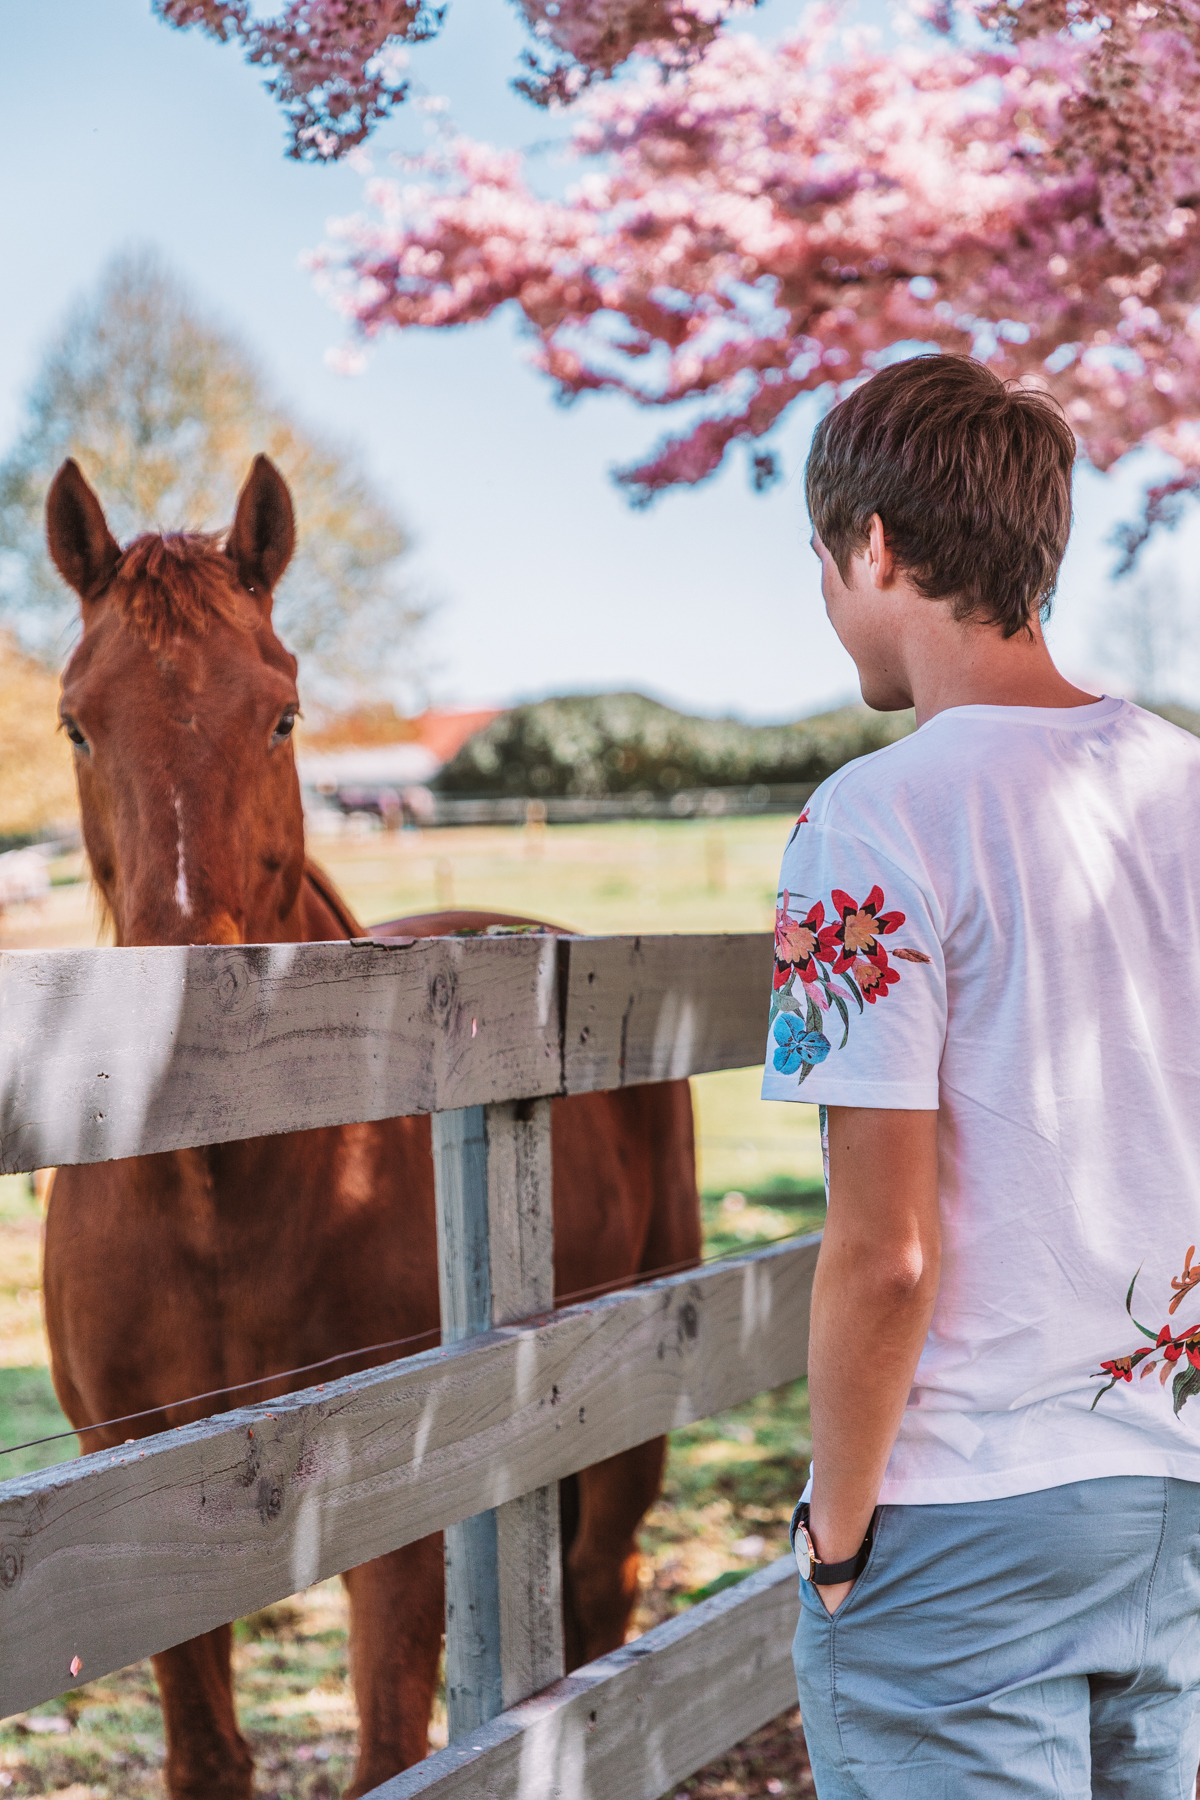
176, 583
316, 877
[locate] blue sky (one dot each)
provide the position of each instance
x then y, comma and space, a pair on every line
120, 131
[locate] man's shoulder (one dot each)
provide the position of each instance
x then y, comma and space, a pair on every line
1173, 729
914, 798
873, 788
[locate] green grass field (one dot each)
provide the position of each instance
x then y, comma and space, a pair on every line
731, 1481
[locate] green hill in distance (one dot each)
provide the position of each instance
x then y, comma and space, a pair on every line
595, 744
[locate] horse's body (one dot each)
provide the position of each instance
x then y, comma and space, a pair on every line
195, 1270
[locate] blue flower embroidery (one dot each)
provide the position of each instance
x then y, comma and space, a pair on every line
796, 1045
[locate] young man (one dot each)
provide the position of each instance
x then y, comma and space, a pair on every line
988, 975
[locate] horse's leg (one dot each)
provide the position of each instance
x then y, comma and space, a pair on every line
601, 1563
396, 1621
207, 1756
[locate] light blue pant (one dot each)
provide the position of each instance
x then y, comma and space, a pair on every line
1045, 1647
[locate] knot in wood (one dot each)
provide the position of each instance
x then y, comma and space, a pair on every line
441, 995
270, 1499
232, 983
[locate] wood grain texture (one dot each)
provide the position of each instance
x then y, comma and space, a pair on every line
520, 1209
649, 1008
529, 1590
504, 1623
109, 1053
632, 1724
117, 1555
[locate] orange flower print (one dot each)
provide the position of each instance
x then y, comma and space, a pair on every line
1183, 1284
795, 939
859, 928
873, 975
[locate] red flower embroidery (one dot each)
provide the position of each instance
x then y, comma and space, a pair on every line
796, 940
873, 974
859, 929
1180, 1349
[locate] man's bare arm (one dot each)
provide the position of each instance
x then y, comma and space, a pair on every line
873, 1294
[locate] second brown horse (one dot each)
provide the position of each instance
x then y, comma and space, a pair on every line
177, 1274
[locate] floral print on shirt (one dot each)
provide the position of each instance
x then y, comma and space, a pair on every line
1180, 1350
821, 965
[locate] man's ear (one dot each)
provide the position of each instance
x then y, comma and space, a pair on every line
881, 564
83, 549
263, 534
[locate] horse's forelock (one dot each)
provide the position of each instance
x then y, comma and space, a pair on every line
177, 583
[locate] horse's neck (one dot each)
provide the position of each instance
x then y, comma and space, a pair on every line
321, 913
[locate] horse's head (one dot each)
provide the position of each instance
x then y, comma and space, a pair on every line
180, 702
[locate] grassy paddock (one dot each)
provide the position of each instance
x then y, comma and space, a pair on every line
731, 1481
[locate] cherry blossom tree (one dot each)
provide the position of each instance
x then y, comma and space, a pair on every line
753, 224
337, 66
766, 222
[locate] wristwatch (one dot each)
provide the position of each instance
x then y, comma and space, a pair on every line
811, 1568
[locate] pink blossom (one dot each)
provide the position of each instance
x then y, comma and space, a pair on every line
769, 222
336, 66
772, 220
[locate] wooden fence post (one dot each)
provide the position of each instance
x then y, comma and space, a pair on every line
504, 1638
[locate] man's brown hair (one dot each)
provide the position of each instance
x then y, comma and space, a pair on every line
970, 476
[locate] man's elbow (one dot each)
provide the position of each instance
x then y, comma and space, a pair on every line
910, 1277
896, 1276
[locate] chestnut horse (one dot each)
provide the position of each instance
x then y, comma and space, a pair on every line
176, 1274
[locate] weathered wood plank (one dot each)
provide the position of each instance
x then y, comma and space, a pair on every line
504, 1630
634, 1723
117, 1555
521, 1269
108, 1053
648, 1008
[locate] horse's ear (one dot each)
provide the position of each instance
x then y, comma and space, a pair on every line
84, 550
264, 529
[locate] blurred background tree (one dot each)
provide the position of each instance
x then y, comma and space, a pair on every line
163, 409
593, 744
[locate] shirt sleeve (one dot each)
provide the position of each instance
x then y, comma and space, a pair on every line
858, 999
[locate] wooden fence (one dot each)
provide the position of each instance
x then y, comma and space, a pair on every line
109, 1053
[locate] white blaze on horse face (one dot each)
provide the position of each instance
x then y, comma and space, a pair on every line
182, 897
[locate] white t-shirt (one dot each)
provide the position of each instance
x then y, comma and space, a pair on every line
999, 917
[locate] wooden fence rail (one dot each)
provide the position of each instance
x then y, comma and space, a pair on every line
632, 1724
107, 1053
122, 1553
115, 1053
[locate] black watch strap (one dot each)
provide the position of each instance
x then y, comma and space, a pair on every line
825, 1574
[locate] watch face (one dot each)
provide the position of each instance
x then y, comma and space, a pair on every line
804, 1553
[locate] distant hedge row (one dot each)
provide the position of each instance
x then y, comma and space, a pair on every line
624, 743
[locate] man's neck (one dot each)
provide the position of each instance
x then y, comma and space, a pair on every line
975, 665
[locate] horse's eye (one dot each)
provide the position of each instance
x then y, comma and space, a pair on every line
285, 727
73, 732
